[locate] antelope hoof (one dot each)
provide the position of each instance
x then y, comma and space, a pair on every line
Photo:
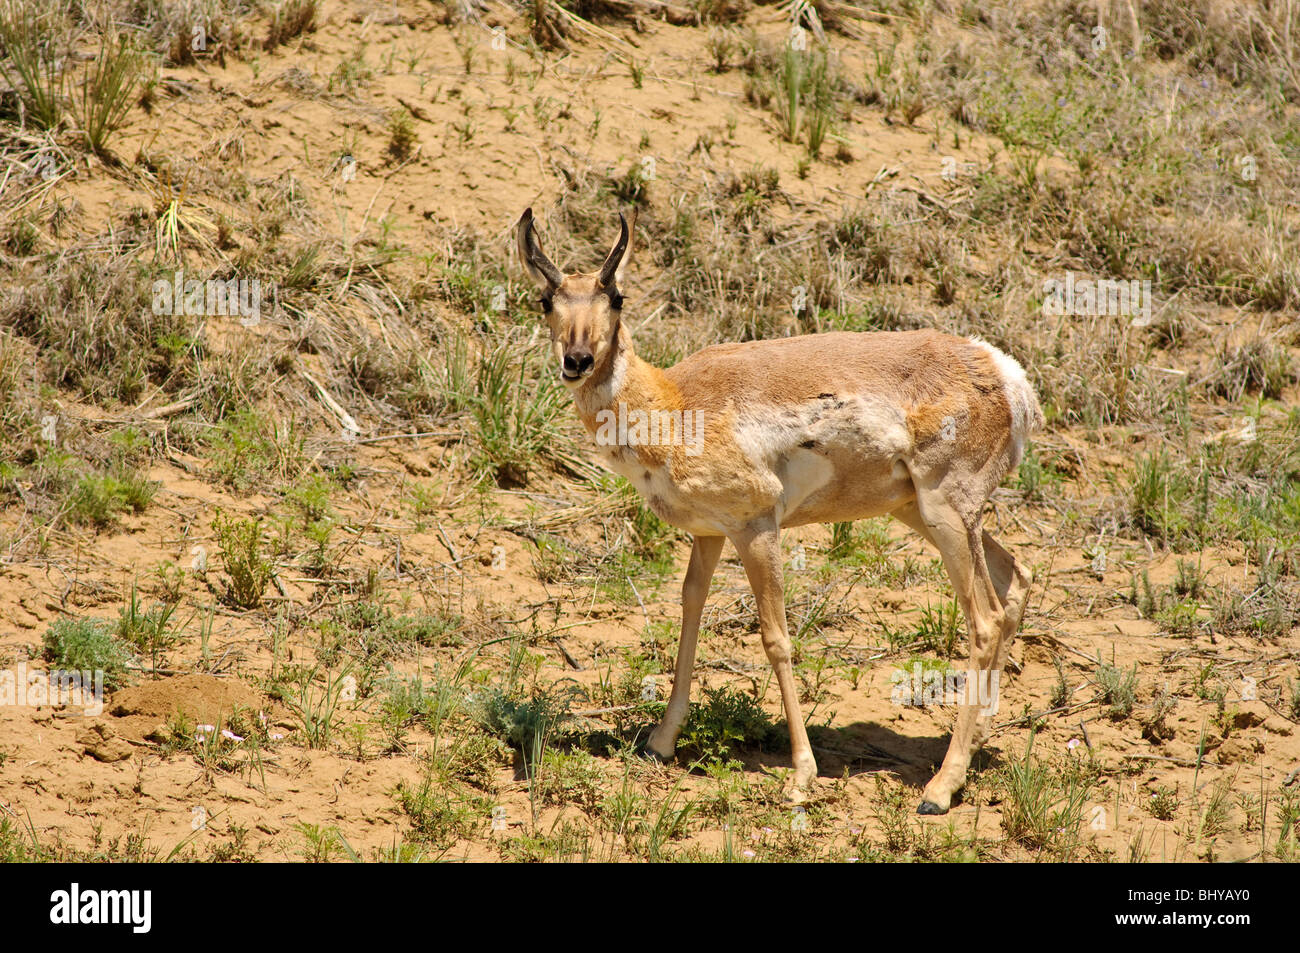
801, 784
650, 754
929, 807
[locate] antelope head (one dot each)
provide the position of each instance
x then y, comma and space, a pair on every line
583, 310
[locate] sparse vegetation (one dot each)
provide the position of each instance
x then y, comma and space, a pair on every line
1045, 803
401, 135
152, 631
364, 527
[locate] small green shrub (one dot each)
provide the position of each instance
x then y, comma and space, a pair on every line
438, 818
527, 724
725, 720
1163, 804
1118, 689
86, 645
240, 544
98, 498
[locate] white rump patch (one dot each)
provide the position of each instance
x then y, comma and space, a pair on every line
1026, 415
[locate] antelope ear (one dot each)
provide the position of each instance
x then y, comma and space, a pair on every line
544, 274
612, 272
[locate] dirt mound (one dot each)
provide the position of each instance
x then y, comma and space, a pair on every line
204, 699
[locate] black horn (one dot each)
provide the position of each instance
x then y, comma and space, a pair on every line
530, 251
610, 268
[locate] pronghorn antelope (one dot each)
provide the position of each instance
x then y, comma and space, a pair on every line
812, 429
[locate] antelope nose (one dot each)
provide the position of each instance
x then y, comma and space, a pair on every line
577, 363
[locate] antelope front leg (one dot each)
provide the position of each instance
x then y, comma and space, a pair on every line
760, 551
705, 551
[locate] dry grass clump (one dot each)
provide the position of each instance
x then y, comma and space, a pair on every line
17, 384
1258, 365
93, 322
1253, 42
188, 31
289, 18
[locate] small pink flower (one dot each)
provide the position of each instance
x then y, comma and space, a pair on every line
206, 729
747, 853
230, 735
276, 736
1073, 743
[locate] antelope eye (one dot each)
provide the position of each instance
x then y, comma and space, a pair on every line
616, 302
546, 303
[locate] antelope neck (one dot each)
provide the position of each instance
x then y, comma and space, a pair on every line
623, 379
